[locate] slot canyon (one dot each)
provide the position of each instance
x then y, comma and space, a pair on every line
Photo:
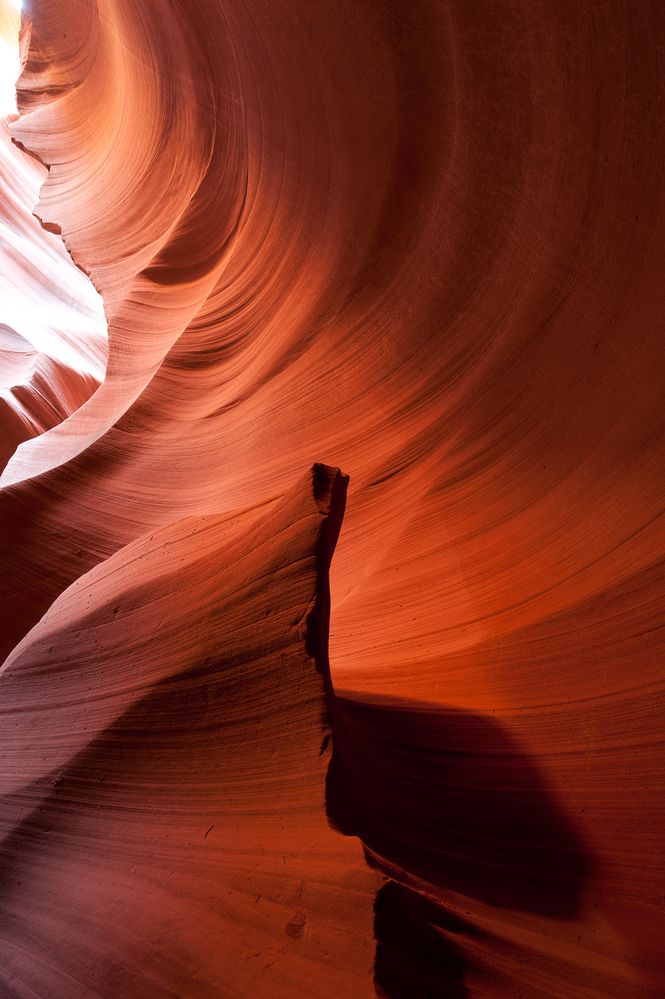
332, 441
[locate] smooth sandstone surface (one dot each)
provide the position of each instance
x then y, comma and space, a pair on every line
166, 832
422, 243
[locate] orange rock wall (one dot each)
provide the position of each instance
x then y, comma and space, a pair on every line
423, 243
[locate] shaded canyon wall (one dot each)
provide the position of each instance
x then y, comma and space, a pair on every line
422, 243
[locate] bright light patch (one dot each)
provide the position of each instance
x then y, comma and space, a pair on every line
47, 305
44, 298
10, 60
10, 67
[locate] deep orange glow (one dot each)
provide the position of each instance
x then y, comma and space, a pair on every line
419, 242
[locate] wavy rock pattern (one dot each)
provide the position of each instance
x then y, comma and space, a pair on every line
421, 242
53, 338
177, 797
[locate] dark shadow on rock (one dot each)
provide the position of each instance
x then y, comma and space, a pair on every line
414, 957
448, 797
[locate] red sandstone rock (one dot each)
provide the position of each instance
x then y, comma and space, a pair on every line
424, 243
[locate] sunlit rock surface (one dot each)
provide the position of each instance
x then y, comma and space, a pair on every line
53, 337
422, 243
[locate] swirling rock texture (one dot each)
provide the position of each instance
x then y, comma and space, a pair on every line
423, 243
53, 338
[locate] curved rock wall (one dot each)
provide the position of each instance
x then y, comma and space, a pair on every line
422, 243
